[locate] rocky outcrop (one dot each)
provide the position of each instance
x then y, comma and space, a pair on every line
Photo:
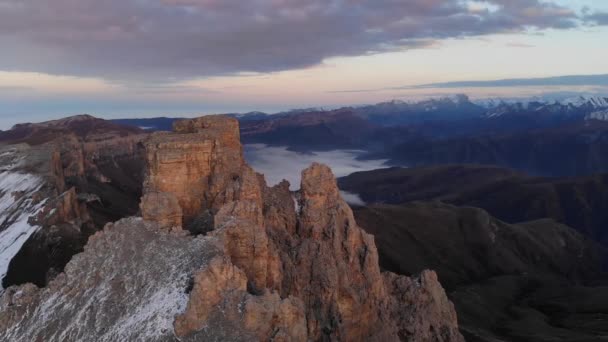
305, 245
162, 208
348, 297
274, 265
417, 304
211, 286
195, 165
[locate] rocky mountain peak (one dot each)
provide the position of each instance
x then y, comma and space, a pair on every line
262, 263
319, 182
191, 167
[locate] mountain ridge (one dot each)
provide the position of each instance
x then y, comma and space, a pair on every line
247, 268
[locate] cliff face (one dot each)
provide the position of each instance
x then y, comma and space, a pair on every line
97, 157
193, 166
273, 265
65, 179
40, 221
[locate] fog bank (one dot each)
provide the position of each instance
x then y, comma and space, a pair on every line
278, 163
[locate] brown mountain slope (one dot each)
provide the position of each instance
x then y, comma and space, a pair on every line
576, 149
535, 281
581, 203
83, 126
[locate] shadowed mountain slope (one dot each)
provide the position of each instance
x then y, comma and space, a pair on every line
581, 203
533, 281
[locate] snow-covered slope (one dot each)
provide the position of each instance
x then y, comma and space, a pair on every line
17, 205
599, 115
128, 286
576, 108
16, 208
592, 101
24, 193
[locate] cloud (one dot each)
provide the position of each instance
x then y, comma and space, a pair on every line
573, 81
352, 199
172, 40
597, 18
13, 89
520, 45
278, 163
577, 80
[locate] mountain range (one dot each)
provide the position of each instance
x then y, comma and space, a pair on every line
451, 109
505, 202
531, 137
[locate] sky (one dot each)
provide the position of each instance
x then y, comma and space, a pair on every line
142, 58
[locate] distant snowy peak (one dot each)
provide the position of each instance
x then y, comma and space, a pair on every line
490, 103
497, 107
595, 101
601, 115
426, 104
497, 111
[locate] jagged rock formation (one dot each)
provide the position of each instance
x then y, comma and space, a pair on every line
272, 266
194, 165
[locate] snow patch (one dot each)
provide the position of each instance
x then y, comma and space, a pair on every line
155, 317
599, 115
16, 208
297, 206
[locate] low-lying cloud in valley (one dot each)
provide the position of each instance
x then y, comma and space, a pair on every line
278, 163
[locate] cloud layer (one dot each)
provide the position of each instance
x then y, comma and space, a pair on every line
172, 40
557, 81
575, 80
278, 163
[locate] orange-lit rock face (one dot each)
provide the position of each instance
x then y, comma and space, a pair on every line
216, 127
161, 207
180, 165
196, 163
